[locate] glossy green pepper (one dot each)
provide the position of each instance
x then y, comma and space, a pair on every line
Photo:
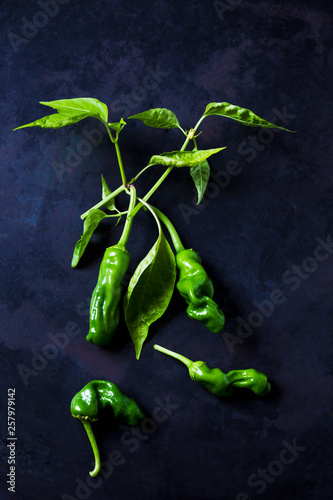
96, 396
104, 305
197, 289
219, 383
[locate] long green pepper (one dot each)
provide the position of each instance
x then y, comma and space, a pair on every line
194, 284
104, 305
219, 383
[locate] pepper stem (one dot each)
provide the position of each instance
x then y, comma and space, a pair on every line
177, 243
89, 431
120, 162
129, 219
181, 358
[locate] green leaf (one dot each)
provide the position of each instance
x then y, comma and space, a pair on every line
54, 121
90, 223
118, 126
182, 158
106, 191
158, 118
200, 175
70, 111
79, 106
149, 291
241, 115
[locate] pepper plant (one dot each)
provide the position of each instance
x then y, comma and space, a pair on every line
152, 284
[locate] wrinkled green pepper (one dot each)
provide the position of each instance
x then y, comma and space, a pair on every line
219, 383
96, 396
197, 289
104, 305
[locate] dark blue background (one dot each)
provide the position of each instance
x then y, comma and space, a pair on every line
250, 231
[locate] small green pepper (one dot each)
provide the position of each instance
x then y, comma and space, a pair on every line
104, 305
219, 383
197, 289
96, 396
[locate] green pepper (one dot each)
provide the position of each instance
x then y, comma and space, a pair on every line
197, 289
104, 305
194, 283
219, 383
96, 396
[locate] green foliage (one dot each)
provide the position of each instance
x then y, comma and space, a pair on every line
200, 175
158, 118
79, 106
53, 121
149, 291
70, 111
182, 158
117, 127
90, 224
241, 115
106, 191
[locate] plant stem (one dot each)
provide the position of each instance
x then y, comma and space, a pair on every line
153, 189
150, 208
181, 358
89, 431
141, 172
104, 201
129, 218
177, 243
120, 162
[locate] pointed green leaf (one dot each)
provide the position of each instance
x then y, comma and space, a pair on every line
79, 106
200, 175
149, 291
119, 219
182, 158
241, 115
118, 126
90, 223
54, 121
106, 191
158, 118
70, 111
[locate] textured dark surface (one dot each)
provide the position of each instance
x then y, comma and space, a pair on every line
273, 57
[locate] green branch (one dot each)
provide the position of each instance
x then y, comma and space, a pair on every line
129, 218
105, 200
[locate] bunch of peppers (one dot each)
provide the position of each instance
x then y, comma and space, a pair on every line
194, 285
151, 286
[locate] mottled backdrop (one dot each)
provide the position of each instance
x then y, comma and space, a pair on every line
264, 231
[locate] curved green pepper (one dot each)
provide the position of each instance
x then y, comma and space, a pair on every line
197, 289
219, 383
104, 305
96, 396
